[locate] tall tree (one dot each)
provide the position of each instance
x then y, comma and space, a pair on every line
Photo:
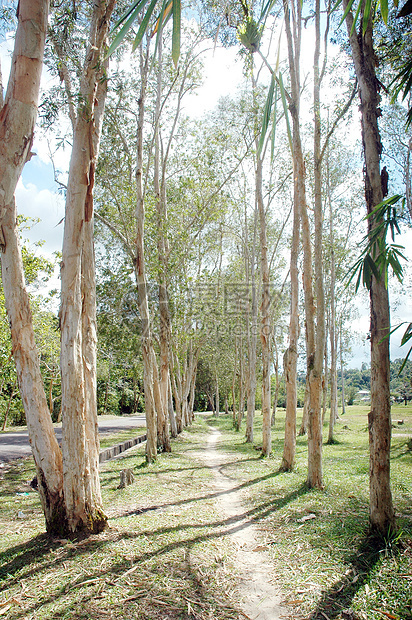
80, 440
18, 116
381, 512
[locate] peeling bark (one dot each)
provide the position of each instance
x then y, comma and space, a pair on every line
80, 444
18, 116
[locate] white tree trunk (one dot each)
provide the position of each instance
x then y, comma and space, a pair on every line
172, 415
163, 437
78, 305
18, 116
252, 330
149, 359
332, 337
290, 358
265, 329
315, 475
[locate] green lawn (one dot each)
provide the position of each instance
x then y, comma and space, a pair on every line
164, 556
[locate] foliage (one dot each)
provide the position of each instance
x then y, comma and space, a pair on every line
38, 271
378, 255
132, 15
367, 10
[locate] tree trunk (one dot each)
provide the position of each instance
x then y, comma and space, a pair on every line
80, 443
149, 367
18, 117
265, 328
276, 394
290, 358
252, 331
6, 415
163, 437
332, 336
381, 512
172, 416
342, 372
241, 410
299, 199
305, 413
315, 360
217, 396
177, 392
234, 387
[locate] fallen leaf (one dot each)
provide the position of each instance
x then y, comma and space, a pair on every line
385, 613
5, 609
306, 518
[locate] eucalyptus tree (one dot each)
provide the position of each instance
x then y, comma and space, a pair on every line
119, 366
133, 133
69, 503
86, 92
343, 200
381, 511
18, 113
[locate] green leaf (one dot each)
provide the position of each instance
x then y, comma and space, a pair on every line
126, 27
407, 334
285, 108
404, 361
366, 14
348, 8
266, 10
126, 14
275, 120
176, 31
143, 25
355, 19
359, 279
266, 114
384, 11
352, 271
164, 16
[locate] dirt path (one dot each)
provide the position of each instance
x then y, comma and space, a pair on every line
260, 597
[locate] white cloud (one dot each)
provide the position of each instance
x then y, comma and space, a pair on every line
47, 206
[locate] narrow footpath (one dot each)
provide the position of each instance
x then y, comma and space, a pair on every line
260, 598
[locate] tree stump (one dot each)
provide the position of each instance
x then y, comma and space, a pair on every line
126, 478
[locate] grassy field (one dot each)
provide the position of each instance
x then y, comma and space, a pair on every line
164, 556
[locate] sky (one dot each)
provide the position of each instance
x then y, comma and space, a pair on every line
37, 195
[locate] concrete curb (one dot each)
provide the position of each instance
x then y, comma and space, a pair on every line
110, 453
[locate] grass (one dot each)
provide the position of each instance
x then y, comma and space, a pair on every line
317, 540
165, 555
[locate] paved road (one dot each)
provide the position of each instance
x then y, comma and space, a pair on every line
14, 445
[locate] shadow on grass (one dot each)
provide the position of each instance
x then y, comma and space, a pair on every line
207, 496
360, 565
37, 554
399, 450
34, 551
